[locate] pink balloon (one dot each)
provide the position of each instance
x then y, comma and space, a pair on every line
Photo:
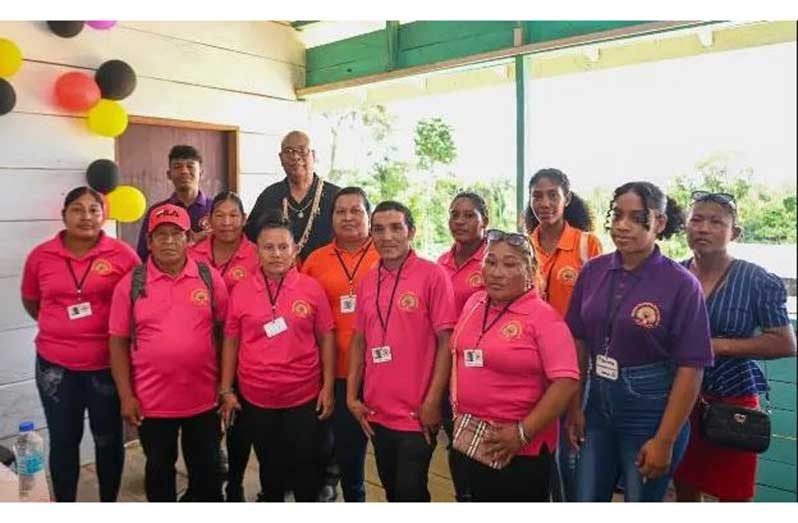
102, 24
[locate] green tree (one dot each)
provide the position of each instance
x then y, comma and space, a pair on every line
434, 143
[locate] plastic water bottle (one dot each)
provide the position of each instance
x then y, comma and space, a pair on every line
29, 450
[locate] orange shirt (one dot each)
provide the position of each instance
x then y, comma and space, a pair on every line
323, 265
560, 268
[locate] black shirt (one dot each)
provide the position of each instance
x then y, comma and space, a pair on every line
271, 199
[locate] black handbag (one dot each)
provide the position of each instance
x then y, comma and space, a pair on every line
737, 427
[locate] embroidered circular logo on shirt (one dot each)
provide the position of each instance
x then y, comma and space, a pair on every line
646, 315
300, 308
511, 330
200, 297
567, 275
408, 301
101, 267
476, 281
238, 273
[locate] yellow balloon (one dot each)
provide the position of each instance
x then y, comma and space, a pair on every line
107, 118
126, 204
10, 58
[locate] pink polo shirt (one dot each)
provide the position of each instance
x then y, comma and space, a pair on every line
174, 362
527, 348
423, 306
466, 279
285, 370
242, 265
80, 344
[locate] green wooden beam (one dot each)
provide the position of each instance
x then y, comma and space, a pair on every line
392, 45
520, 133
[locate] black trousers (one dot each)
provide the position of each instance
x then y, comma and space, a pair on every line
285, 442
525, 478
199, 439
239, 447
403, 460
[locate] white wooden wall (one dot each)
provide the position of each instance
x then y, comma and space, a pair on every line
232, 73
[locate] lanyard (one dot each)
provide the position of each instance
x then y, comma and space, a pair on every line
273, 298
351, 277
485, 326
78, 285
384, 321
227, 264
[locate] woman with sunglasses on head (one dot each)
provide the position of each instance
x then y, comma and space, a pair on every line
641, 320
748, 320
515, 370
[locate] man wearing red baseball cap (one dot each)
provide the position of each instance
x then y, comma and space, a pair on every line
164, 357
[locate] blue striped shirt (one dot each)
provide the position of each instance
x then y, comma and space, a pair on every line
750, 299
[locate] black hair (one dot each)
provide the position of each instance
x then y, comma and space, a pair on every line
729, 208
225, 196
653, 199
353, 190
476, 200
577, 213
274, 220
77, 192
390, 205
184, 152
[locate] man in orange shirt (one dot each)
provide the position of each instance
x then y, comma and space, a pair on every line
339, 266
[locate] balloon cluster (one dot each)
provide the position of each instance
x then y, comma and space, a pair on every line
70, 28
10, 62
125, 202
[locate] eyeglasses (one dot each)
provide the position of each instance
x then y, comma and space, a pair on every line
513, 238
722, 198
300, 151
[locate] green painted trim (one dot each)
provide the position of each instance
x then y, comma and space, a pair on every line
782, 396
423, 33
783, 369
770, 494
365, 47
782, 422
520, 133
781, 450
544, 31
776, 475
391, 45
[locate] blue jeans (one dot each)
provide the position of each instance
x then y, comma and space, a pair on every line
350, 447
620, 417
65, 396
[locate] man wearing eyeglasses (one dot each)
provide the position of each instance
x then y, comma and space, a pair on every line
303, 197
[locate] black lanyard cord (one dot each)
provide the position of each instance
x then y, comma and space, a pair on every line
79, 285
485, 326
273, 297
384, 321
351, 276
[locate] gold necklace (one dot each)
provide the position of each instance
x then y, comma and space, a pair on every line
314, 211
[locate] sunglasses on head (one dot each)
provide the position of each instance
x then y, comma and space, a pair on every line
513, 238
722, 198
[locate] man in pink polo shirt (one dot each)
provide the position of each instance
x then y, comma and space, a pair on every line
167, 376
401, 340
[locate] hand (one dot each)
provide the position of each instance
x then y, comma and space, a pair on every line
575, 427
429, 415
502, 442
654, 458
196, 237
325, 403
361, 413
229, 403
131, 410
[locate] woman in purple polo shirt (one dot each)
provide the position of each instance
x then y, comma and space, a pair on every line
640, 320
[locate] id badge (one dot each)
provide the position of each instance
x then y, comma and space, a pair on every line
381, 354
473, 358
275, 327
79, 310
348, 304
607, 367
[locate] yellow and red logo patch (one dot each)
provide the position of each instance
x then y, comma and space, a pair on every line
300, 309
408, 301
200, 296
646, 315
567, 275
102, 267
475, 280
238, 273
512, 330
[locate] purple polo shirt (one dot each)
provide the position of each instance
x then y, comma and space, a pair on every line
661, 314
199, 209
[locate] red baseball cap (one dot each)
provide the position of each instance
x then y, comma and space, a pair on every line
169, 213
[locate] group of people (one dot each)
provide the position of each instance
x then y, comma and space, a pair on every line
311, 326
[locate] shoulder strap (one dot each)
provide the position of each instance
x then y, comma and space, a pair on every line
137, 290
205, 274
583, 254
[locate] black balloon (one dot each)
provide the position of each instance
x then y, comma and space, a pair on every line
8, 98
103, 175
66, 29
116, 79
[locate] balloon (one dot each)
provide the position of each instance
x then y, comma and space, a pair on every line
127, 204
76, 91
116, 79
10, 58
101, 24
107, 118
103, 175
66, 29
8, 98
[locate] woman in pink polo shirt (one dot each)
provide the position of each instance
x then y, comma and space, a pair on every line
280, 347
66, 287
516, 370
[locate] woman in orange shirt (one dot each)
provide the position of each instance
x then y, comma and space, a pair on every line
558, 223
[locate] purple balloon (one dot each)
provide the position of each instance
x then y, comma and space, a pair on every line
102, 24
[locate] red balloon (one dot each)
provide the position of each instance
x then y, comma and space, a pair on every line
76, 91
